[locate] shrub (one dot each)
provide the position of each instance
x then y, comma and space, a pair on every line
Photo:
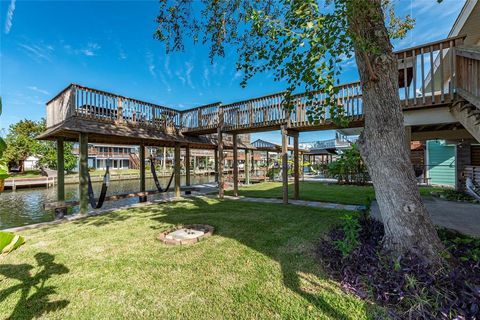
349, 168
349, 241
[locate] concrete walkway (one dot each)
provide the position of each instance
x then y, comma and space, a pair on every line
315, 204
461, 216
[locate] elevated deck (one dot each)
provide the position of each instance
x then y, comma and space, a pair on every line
113, 118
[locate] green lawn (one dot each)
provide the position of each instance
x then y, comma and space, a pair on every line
258, 265
317, 191
25, 174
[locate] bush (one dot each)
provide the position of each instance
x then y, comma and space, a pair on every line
349, 168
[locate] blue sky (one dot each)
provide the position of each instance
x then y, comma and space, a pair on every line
109, 45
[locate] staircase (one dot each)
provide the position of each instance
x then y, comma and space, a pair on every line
134, 161
466, 109
468, 115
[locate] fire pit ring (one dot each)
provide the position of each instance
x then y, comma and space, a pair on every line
186, 234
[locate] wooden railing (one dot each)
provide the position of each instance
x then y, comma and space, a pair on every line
102, 106
425, 73
200, 118
468, 69
427, 76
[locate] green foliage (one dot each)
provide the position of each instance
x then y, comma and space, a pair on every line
455, 195
351, 228
301, 43
454, 241
22, 143
349, 168
48, 155
9, 242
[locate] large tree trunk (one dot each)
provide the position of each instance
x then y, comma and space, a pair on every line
383, 143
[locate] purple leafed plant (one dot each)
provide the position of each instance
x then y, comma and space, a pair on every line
406, 286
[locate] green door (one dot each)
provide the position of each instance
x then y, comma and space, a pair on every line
441, 162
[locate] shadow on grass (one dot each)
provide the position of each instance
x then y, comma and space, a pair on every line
274, 231
34, 300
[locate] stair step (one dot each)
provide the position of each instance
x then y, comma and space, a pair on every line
474, 113
468, 106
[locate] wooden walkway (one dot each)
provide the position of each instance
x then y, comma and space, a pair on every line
106, 116
430, 76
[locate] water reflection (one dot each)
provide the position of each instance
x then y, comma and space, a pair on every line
25, 206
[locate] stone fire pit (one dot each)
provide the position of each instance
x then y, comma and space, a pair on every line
187, 234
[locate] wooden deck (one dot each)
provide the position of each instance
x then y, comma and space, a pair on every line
113, 118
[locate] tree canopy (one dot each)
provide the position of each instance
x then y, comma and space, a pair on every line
302, 42
22, 143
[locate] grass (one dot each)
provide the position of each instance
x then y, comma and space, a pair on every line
25, 174
258, 265
316, 191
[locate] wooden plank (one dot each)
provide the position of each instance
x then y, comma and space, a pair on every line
470, 53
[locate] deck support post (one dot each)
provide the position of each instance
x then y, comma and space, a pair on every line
221, 182
253, 162
284, 163
296, 167
142, 172
164, 162
60, 212
176, 169
246, 166
215, 160
187, 165
83, 173
235, 165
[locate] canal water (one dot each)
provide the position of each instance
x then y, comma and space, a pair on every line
25, 206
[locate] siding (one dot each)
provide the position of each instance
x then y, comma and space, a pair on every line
475, 156
441, 162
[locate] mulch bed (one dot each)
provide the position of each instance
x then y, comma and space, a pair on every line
406, 286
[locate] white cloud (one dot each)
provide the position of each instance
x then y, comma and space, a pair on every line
188, 72
180, 77
166, 66
90, 49
9, 19
38, 52
37, 89
150, 64
122, 55
206, 76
